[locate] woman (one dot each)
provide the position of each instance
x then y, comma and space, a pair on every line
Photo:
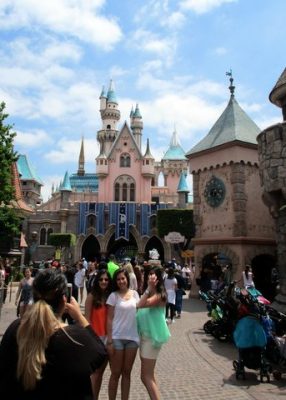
25, 293
132, 276
40, 356
152, 328
96, 314
122, 335
171, 287
79, 279
247, 277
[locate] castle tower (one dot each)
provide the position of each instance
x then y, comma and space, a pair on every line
136, 125
80, 170
174, 162
231, 219
110, 115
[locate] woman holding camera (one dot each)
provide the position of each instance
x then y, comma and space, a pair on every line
39, 353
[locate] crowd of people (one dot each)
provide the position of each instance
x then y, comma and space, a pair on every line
127, 308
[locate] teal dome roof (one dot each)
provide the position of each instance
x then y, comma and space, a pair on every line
233, 125
175, 151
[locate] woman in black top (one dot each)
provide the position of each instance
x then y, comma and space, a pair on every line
40, 356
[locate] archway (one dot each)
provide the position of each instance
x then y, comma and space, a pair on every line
90, 249
122, 248
154, 243
262, 267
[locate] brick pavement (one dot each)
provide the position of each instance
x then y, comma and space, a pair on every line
192, 365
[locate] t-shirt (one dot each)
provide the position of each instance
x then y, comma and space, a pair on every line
111, 268
124, 320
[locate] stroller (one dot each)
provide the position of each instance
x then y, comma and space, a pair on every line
250, 339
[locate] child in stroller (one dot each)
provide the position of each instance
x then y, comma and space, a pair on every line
250, 339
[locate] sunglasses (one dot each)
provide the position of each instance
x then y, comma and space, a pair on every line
103, 279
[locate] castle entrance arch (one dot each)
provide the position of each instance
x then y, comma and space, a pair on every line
154, 243
90, 249
122, 248
264, 278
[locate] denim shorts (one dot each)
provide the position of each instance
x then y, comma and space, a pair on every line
122, 344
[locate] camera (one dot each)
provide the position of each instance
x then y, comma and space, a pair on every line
69, 293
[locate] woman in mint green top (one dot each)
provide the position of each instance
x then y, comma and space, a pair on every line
152, 328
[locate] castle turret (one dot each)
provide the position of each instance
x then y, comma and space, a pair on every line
136, 125
80, 170
65, 189
183, 191
110, 115
148, 163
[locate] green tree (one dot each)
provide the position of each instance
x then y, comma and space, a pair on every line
9, 220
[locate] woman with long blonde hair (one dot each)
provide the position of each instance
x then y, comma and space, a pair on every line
40, 356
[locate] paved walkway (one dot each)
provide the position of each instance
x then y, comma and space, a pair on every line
192, 365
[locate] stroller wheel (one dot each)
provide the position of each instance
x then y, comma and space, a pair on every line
235, 365
277, 375
208, 326
267, 376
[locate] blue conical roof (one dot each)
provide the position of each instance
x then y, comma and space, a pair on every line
183, 185
233, 125
66, 185
137, 113
111, 97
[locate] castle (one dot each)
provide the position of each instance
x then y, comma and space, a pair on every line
113, 209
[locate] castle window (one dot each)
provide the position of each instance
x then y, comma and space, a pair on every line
117, 192
43, 236
125, 160
108, 127
49, 232
132, 192
91, 221
124, 188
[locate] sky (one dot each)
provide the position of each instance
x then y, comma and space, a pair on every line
169, 56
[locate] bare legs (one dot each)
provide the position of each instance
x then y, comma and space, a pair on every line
121, 364
96, 380
148, 378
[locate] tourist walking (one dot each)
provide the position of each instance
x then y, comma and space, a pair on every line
170, 283
24, 295
152, 328
40, 356
96, 314
111, 265
122, 335
79, 279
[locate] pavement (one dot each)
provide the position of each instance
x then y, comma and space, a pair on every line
191, 366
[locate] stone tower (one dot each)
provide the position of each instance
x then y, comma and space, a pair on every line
230, 219
272, 163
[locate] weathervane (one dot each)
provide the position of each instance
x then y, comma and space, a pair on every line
231, 87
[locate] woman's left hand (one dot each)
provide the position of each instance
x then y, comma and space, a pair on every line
152, 282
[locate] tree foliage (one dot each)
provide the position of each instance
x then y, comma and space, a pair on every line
176, 220
62, 239
9, 220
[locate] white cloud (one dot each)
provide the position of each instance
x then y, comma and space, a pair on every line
79, 19
34, 138
67, 152
220, 51
203, 6
149, 42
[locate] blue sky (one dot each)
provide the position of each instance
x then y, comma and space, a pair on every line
170, 57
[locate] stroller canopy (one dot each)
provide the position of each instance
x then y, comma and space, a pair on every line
249, 333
